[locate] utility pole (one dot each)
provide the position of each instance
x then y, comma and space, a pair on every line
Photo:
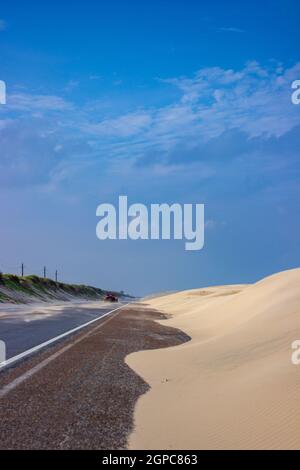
22, 269
44, 272
56, 276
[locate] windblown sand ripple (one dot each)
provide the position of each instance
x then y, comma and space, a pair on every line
233, 385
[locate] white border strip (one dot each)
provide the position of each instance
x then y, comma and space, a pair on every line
53, 340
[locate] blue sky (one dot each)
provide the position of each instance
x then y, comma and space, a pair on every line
165, 102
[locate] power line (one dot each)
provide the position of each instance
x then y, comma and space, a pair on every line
30, 270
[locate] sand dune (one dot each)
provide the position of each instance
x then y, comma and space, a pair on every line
233, 385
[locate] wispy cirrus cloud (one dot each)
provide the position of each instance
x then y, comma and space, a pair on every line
254, 99
122, 127
218, 113
231, 30
38, 103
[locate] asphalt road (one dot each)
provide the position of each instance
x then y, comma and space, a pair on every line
24, 328
80, 393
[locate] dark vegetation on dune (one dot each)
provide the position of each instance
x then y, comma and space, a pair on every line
18, 289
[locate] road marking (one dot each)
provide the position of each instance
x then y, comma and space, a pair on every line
24, 354
12, 385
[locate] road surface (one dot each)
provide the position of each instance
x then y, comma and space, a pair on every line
80, 393
24, 327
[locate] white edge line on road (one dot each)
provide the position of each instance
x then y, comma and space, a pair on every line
31, 372
24, 354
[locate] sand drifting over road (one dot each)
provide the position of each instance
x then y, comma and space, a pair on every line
233, 385
85, 397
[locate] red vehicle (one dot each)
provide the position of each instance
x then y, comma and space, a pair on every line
110, 298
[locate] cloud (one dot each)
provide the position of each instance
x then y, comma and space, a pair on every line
26, 156
123, 126
216, 115
231, 30
219, 115
33, 153
95, 77
38, 103
71, 85
255, 100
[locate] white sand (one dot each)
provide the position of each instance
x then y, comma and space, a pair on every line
233, 385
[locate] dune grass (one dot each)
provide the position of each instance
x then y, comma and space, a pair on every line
19, 289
